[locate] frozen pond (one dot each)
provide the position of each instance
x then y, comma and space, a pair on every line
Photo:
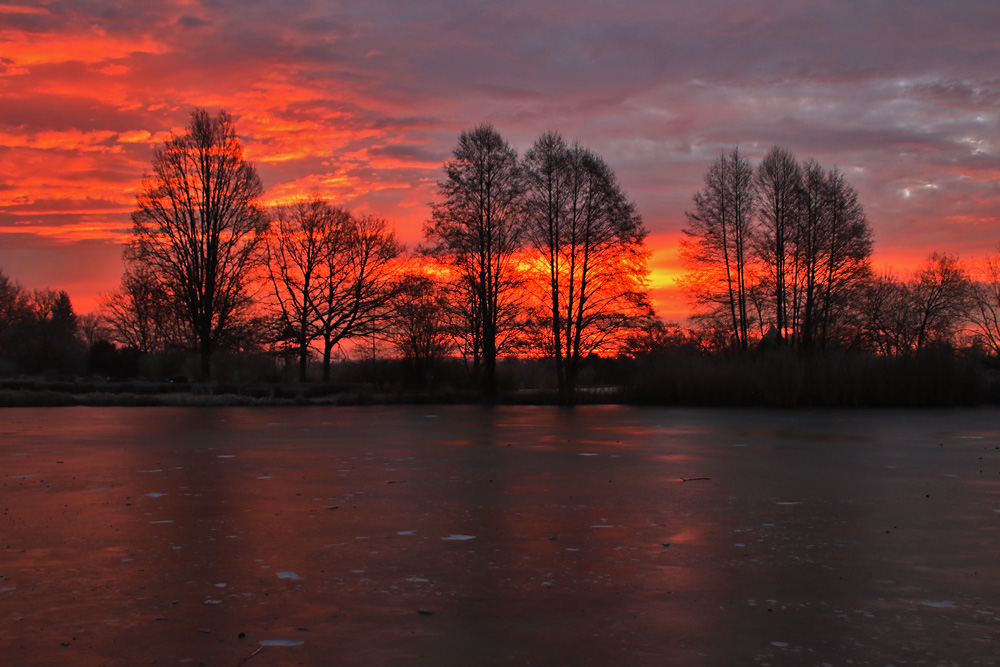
471, 536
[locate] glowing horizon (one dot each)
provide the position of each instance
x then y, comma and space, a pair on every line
362, 103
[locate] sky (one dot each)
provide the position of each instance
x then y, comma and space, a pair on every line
362, 101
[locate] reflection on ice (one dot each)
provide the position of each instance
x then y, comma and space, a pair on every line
844, 518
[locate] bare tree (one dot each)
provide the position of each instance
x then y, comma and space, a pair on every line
417, 328
476, 232
889, 323
303, 241
356, 284
588, 240
717, 244
198, 227
15, 310
940, 293
906, 317
984, 313
779, 180
140, 314
830, 256
849, 244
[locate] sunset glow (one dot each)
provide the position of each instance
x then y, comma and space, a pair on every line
362, 102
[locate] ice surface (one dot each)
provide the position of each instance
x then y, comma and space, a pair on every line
847, 591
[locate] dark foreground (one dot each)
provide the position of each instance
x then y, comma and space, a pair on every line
467, 536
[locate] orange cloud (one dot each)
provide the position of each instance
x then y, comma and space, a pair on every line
25, 50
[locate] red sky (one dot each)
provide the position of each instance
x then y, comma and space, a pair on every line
361, 101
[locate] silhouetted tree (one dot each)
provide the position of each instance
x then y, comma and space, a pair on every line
588, 240
888, 322
779, 183
140, 314
717, 247
830, 255
847, 244
356, 282
49, 340
476, 232
304, 238
417, 327
906, 317
14, 313
984, 313
198, 226
939, 296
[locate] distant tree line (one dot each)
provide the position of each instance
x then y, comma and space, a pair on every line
38, 330
531, 264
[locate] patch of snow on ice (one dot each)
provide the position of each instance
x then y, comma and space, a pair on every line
156, 494
281, 642
289, 575
454, 537
943, 604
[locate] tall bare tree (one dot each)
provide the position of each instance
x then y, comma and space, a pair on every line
198, 226
476, 232
304, 238
847, 244
588, 240
356, 284
717, 245
779, 182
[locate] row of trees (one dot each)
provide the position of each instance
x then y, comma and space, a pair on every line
539, 255
780, 254
780, 245
545, 251
542, 254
